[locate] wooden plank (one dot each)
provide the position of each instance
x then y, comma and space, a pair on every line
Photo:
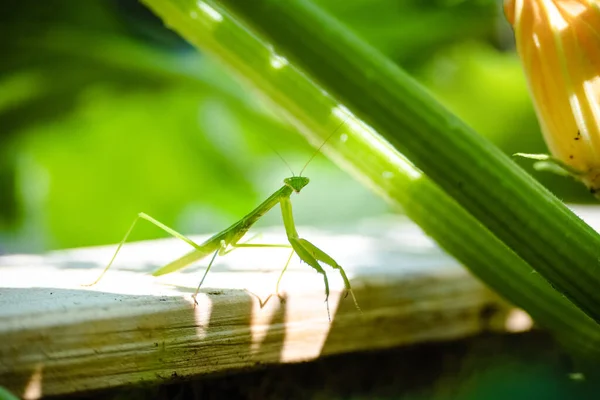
57, 337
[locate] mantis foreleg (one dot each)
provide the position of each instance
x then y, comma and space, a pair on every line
327, 259
307, 257
308, 252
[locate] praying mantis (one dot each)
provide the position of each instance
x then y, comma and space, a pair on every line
227, 240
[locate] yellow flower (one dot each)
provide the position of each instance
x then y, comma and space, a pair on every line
559, 45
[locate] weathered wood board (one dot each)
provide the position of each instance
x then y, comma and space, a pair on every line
59, 337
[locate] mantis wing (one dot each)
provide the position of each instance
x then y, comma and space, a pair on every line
184, 261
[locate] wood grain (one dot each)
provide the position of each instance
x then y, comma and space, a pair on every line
58, 337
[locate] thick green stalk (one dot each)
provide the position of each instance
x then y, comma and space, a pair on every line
378, 164
510, 203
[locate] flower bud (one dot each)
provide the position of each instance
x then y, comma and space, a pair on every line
559, 45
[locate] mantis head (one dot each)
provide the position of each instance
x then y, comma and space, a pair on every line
296, 183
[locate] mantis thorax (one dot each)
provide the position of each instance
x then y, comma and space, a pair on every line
296, 183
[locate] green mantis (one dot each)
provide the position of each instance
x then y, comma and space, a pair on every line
227, 240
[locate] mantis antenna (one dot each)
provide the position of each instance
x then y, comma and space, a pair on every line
280, 156
323, 144
283, 159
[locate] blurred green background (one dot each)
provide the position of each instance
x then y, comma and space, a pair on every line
104, 113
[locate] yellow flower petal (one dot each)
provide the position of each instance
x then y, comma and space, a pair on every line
559, 45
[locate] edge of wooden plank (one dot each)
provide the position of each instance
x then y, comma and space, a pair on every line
57, 337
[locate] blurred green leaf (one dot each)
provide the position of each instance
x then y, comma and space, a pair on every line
105, 113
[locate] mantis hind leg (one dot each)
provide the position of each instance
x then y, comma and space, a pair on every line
212, 260
282, 272
327, 259
246, 244
155, 222
281, 298
223, 250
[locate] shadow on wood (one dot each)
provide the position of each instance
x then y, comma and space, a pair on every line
57, 337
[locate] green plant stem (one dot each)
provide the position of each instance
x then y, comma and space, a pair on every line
380, 166
510, 203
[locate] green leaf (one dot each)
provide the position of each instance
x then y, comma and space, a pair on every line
550, 164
